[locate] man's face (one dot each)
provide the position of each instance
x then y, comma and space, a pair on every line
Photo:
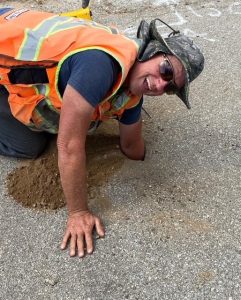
145, 78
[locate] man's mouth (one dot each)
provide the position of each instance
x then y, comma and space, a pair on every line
147, 84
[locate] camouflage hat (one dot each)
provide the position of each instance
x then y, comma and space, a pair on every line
177, 44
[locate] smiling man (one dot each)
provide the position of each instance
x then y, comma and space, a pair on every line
62, 75
158, 75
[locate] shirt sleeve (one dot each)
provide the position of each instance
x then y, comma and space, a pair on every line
92, 73
132, 115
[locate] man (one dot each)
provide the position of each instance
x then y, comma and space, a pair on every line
60, 75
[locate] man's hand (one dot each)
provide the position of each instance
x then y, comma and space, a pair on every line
80, 226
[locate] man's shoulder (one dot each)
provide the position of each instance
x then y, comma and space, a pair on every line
92, 56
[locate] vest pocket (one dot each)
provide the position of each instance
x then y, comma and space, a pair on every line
35, 111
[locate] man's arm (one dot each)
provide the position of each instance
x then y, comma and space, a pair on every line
131, 140
75, 118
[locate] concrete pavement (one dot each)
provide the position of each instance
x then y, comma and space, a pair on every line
173, 226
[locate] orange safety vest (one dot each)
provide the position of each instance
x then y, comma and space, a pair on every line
39, 42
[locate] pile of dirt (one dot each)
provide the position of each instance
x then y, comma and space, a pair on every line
36, 183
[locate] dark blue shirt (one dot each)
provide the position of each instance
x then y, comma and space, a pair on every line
93, 73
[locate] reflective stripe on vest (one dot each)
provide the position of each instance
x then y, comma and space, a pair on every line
31, 46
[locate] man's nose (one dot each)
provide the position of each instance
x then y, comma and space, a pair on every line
161, 84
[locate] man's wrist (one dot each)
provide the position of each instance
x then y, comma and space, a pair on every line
79, 212
139, 157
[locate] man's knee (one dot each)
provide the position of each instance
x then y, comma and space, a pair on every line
36, 148
24, 150
16, 139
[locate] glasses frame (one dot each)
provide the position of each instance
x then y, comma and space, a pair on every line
171, 87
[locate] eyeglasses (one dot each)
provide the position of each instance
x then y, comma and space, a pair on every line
167, 74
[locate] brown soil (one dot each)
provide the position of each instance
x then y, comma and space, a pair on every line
36, 183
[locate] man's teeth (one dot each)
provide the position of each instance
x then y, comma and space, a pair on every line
148, 83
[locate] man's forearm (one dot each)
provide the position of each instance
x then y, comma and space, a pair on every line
72, 169
81, 222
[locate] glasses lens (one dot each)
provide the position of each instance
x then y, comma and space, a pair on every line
166, 70
171, 88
